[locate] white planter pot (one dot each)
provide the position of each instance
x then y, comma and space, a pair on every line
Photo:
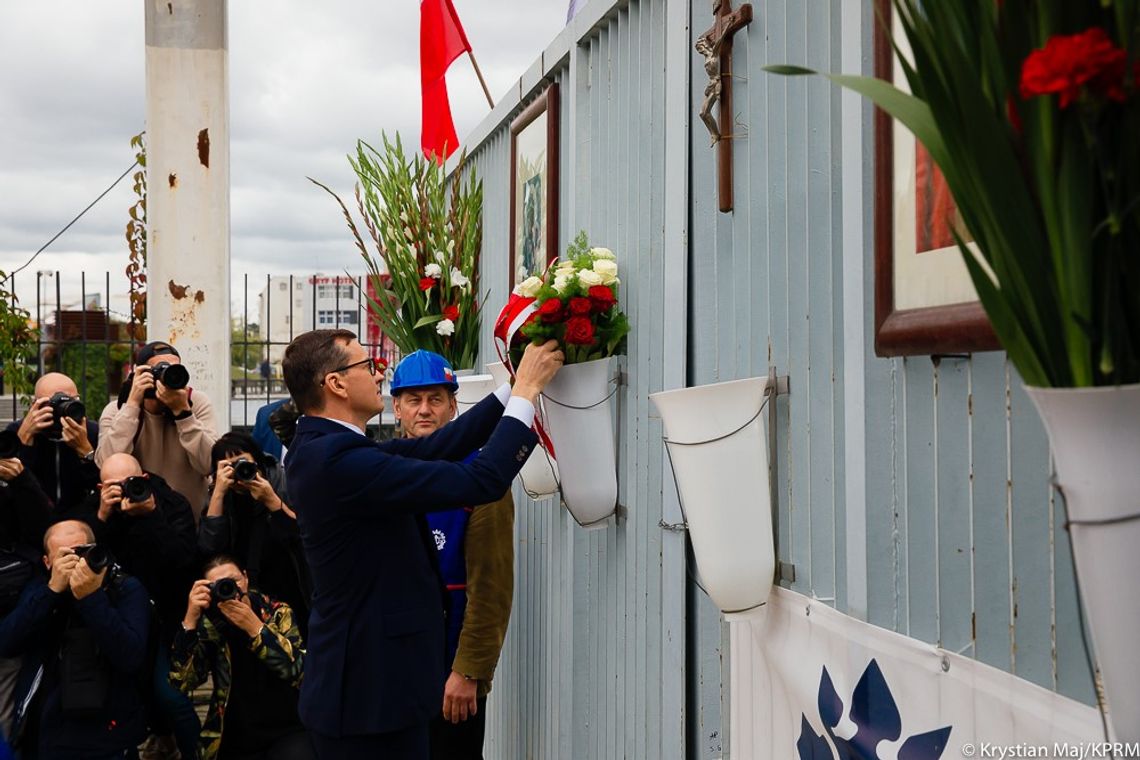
716, 444
472, 389
539, 474
1095, 437
576, 404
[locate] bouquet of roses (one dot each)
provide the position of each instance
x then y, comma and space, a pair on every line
576, 304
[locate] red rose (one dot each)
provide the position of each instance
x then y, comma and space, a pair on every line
451, 312
580, 307
1069, 62
602, 298
579, 331
427, 283
551, 311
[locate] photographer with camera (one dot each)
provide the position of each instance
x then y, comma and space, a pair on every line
167, 425
251, 646
84, 634
248, 519
57, 442
25, 513
149, 528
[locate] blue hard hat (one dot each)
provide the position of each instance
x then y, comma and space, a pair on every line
422, 369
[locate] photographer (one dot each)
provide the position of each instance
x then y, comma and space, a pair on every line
25, 513
84, 633
168, 426
149, 528
253, 649
57, 442
247, 518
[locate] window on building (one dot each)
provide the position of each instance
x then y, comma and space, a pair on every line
282, 286
344, 292
328, 317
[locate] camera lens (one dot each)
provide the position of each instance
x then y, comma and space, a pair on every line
74, 409
96, 556
245, 470
224, 590
173, 376
9, 444
137, 488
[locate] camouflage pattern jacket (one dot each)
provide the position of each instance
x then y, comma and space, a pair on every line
204, 652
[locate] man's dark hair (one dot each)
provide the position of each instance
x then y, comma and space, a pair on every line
232, 444
308, 359
218, 560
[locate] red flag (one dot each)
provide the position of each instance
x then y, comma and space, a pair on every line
442, 40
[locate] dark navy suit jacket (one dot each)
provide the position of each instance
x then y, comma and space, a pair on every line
375, 660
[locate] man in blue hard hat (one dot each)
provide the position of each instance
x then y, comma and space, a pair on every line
475, 548
374, 667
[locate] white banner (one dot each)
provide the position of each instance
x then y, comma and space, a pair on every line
809, 683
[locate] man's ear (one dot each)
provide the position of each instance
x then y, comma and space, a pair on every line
335, 383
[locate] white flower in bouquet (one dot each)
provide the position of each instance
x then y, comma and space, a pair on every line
529, 287
445, 327
450, 246
589, 278
607, 269
440, 257
562, 282
433, 270
458, 279
404, 217
408, 233
565, 267
602, 253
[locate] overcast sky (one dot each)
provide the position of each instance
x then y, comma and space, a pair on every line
306, 80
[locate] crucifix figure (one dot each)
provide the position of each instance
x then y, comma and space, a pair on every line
715, 45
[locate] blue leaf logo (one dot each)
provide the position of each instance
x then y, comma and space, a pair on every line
874, 712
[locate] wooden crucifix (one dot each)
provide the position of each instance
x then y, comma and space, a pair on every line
715, 46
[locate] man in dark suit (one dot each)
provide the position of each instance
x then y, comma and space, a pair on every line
374, 670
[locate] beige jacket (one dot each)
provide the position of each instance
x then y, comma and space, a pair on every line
179, 450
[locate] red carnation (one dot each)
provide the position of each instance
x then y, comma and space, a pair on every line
579, 331
580, 307
1069, 62
551, 311
451, 312
427, 283
602, 298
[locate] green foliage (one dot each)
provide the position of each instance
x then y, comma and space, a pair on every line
246, 348
92, 366
1050, 195
416, 218
19, 342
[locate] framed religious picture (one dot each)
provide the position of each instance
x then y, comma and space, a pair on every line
534, 187
925, 302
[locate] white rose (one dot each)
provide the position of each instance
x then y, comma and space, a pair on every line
607, 269
561, 282
589, 278
433, 270
458, 279
440, 257
529, 287
445, 327
602, 253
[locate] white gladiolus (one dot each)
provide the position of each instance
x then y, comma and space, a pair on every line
445, 327
602, 253
458, 279
433, 270
607, 269
529, 287
404, 217
440, 257
590, 278
408, 233
450, 246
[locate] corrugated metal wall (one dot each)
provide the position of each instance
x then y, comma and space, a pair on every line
593, 663
911, 492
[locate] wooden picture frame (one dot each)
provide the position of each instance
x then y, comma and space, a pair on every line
914, 328
534, 187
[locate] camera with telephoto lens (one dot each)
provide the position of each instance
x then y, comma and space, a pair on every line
9, 444
137, 488
97, 557
244, 470
64, 405
173, 376
224, 590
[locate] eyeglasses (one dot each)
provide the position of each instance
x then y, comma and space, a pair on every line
372, 364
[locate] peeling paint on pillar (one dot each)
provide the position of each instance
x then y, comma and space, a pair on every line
204, 147
186, 312
173, 179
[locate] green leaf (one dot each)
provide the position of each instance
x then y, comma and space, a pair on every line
428, 320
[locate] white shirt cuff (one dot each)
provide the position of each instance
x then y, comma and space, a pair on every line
521, 409
503, 393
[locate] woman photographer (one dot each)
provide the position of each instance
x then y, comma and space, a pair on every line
248, 519
253, 649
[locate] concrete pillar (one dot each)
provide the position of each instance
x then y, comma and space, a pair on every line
188, 189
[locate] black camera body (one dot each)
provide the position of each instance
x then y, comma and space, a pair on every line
224, 590
9, 444
244, 470
63, 405
137, 488
97, 556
